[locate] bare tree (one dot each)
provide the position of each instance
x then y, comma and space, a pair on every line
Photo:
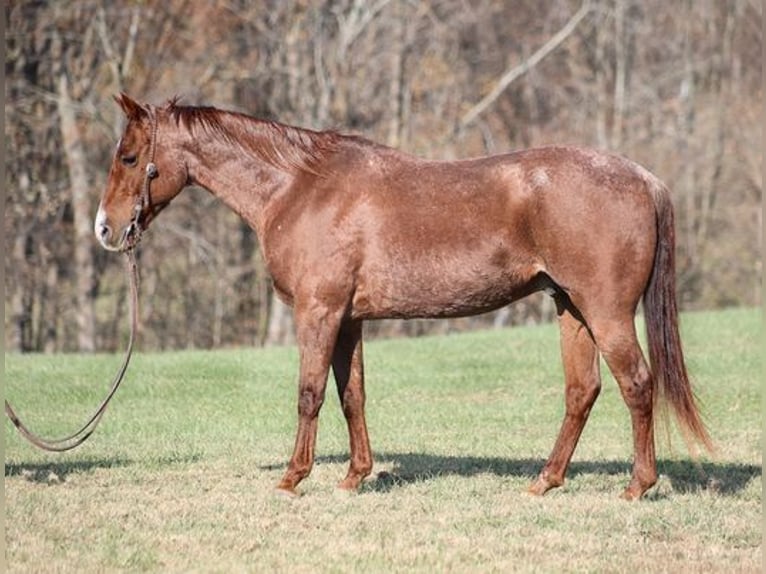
82, 209
674, 86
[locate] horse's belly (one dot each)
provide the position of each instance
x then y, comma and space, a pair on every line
430, 292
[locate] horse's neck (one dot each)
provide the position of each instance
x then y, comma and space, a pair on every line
243, 181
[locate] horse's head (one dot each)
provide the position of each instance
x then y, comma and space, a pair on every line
147, 172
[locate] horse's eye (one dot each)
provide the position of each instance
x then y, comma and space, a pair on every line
129, 160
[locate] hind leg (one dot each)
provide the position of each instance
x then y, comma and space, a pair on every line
583, 383
618, 342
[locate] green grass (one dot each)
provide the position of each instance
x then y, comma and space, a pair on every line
180, 476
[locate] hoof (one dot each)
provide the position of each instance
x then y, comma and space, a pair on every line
287, 491
630, 495
542, 485
350, 484
633, 492
636, 489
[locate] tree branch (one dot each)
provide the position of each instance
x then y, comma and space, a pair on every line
516, 72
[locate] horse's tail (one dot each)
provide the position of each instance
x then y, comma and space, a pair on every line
670, 379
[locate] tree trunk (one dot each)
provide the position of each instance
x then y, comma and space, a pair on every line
620, 73
280, 331
49, 312
397, 78
21, 314
601, 82
78, 181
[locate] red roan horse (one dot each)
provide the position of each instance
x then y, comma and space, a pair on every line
352, 230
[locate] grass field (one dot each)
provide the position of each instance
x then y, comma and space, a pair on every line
180, 476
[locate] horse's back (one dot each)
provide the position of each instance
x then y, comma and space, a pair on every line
455, 238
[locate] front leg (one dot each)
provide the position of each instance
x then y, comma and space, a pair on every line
317, 330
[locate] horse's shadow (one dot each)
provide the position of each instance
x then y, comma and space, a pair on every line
407, 468
685, 476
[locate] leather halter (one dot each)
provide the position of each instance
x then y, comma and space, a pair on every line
144, 200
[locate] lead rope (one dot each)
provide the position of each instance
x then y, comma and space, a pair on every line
80, 436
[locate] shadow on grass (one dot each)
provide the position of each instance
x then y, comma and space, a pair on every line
50, 472
685, 476
54, 472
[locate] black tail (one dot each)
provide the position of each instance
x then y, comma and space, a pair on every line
670, 379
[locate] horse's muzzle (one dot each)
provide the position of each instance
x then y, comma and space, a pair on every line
111, 239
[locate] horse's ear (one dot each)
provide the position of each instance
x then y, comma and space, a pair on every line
133, 110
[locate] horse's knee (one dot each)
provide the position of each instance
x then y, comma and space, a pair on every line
581, 395
593, 390
309, 402
352, 402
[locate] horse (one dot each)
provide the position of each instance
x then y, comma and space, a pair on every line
352, 231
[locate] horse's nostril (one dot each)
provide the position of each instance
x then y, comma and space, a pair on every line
104, 232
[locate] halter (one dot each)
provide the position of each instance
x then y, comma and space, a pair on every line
144, 199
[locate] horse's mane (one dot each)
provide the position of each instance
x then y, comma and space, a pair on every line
279, 145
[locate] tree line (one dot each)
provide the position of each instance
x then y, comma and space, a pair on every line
675, 86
